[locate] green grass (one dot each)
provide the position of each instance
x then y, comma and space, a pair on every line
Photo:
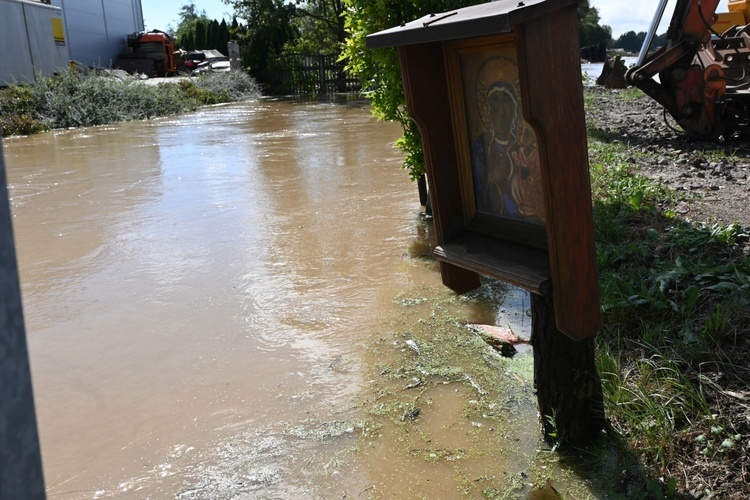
631, 93
674, 296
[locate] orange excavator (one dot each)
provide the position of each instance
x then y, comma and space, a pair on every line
702, 75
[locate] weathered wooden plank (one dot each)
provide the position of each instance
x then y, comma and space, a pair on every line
516, 264
557, 116
422, 67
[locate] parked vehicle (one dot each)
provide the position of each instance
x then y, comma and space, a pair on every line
193, 59
212, 61
152, 53
213, 65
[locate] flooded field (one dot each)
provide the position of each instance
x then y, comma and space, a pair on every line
236, 304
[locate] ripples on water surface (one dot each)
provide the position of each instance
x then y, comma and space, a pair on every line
198, 288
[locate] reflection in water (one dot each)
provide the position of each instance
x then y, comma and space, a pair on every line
198, 290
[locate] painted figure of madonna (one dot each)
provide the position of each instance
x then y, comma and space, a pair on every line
504, 151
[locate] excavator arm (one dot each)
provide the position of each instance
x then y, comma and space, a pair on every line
702, 78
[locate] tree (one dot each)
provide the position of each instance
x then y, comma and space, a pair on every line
379, 71
590, 31
321, 26
268, 27
633, 42
630, 41
188, 41
188, 15
200, 35
223, 36
212, 34
189, 19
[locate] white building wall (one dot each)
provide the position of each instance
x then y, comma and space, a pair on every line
27, 41
44, 54
98, 29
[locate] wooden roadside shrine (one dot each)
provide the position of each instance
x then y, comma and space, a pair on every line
496, 92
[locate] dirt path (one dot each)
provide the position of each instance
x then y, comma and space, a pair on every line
716, 173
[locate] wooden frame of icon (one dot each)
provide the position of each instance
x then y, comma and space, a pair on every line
505, 148
497, 151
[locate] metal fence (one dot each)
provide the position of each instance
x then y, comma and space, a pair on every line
309, 74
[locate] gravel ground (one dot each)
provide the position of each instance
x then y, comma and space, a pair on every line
718, 173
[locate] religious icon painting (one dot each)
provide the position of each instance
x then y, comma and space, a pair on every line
501, 174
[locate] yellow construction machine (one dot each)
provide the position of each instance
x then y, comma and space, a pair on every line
702, 74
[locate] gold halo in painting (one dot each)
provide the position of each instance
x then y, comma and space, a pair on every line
492, 72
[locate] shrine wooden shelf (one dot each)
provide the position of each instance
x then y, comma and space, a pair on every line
513, 263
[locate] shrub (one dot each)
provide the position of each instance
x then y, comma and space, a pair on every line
17, 112
232, 85
75, 99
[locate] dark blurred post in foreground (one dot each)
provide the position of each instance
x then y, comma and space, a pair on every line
20, 456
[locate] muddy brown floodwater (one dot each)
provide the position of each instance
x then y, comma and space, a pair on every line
200, 292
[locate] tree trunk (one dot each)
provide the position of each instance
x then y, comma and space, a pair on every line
568, 387
422, 187
424, 194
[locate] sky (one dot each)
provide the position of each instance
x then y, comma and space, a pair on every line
161, 14
621, 15
635, 15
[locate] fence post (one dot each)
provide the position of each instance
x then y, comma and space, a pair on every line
322, 69
233, 50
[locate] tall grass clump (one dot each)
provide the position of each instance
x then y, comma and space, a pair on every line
18, 112
231, 86
74, 99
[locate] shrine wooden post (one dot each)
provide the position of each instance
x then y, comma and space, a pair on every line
496, 92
